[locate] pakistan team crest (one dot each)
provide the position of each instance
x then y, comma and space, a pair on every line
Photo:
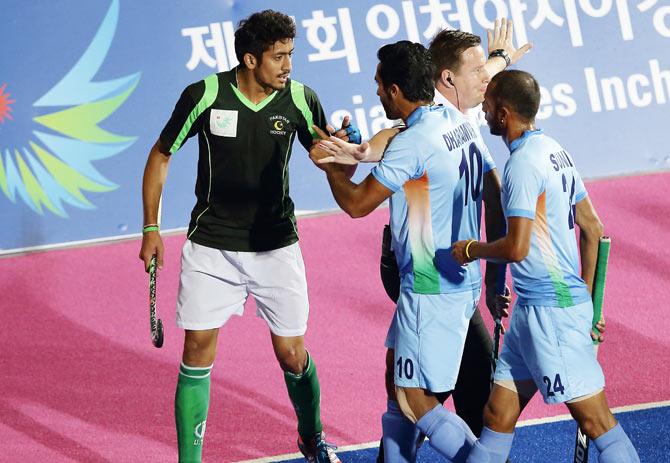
52, 163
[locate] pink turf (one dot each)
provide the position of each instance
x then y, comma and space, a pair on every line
81, 381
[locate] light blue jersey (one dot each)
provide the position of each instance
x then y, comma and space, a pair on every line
436, 170
541, 183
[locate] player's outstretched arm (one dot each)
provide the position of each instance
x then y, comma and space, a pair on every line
502, 38
379, 142
338, 151
357, 200
155, 174
513, 247
590, 231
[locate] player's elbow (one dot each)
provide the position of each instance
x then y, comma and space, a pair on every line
517, 252
594, 228
357, 211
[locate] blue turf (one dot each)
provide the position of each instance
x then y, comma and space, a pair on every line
554, 442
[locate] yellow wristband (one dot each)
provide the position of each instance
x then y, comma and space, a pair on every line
467, 248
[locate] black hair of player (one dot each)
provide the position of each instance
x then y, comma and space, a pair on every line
518, 91
260, 31
408, 65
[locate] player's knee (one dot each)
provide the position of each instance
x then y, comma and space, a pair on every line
499, 419
404, 405
597, 424
199, 351
292, 359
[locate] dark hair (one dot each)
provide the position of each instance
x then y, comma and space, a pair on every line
408, 65
260, 31
518, 90
447, 47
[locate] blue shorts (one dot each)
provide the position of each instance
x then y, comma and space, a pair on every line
553, 347
428, 334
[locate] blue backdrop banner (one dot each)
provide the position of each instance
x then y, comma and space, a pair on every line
86, 87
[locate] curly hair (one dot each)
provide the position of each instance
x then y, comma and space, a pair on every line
409, 66
447, 47
260, 31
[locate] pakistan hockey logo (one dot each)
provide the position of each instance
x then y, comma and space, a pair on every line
53, 164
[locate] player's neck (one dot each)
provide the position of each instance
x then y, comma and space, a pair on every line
515, 130
249, 86
406, 108
451, 95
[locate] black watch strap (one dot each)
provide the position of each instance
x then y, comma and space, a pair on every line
503, 54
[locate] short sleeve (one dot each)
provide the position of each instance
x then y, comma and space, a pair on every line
182, 125
401, 162
580, 189
522, 185
312, 112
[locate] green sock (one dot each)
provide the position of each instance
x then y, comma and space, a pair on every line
191, 403
305, 396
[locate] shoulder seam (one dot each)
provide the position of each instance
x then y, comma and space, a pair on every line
208, 97
300, 101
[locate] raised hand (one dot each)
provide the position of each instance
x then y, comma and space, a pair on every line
502, 37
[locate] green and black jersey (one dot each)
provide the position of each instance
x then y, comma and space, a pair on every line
242, 188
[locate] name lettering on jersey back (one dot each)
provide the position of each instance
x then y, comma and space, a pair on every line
560, 160
459, 136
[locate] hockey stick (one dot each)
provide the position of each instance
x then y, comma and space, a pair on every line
156, 324
498, 327
598, 294
496, 346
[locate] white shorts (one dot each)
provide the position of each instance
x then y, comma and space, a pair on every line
553, 347
214, 285
428, 336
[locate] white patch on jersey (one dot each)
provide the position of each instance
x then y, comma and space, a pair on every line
223, 122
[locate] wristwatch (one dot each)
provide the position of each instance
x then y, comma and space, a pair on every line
503, 54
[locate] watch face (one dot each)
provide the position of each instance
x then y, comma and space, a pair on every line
502, 53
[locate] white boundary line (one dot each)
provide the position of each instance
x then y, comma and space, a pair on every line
524, 423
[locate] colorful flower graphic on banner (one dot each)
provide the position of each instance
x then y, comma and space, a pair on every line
56, 166
5, 102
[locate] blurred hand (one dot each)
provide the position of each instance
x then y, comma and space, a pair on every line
601, 327
498, 304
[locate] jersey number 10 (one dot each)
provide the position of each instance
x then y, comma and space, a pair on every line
471, 168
